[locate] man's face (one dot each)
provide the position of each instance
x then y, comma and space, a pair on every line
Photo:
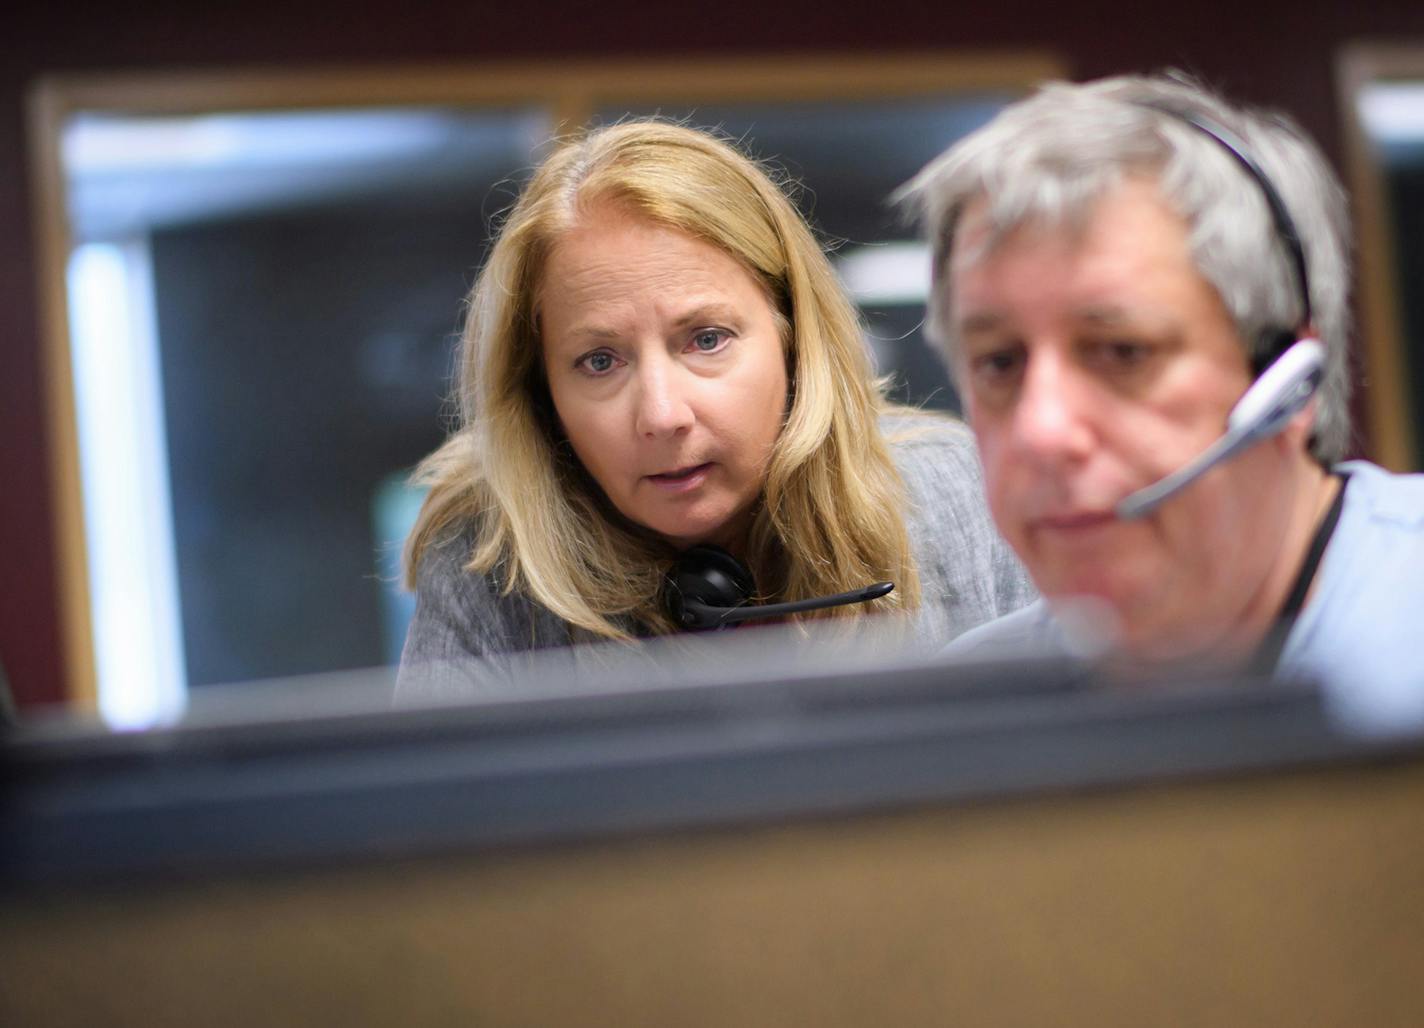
1093, 363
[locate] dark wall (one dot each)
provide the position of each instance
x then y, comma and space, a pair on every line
1273, 52
1406, 199
311, 393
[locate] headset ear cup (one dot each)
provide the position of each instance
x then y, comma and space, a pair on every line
709, 576
1273, 343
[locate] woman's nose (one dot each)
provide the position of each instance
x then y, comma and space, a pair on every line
662, 404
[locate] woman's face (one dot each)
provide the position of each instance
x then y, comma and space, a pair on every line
665, 363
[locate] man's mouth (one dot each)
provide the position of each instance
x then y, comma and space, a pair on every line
1074, 521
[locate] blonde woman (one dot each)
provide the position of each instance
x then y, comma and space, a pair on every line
658, 356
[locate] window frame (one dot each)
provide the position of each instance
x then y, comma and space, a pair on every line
569, 90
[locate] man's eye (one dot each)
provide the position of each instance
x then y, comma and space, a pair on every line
997, 365
600, 362
1120, 354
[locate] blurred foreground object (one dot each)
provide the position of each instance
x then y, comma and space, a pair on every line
927, 844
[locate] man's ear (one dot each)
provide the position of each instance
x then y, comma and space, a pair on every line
1295, 437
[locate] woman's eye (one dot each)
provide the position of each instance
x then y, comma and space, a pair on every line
709, 340
600, 362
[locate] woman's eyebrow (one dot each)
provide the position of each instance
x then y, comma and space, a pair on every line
592, 331
714, 310
698, 314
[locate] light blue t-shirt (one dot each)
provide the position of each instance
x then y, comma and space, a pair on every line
1362, 632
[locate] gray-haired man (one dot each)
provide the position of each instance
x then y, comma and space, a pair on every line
1110, 278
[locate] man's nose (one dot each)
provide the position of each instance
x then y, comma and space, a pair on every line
662, 403
1053, 418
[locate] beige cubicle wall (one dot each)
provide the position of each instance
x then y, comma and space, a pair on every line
1285, 898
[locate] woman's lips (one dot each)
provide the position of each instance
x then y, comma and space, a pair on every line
682, 479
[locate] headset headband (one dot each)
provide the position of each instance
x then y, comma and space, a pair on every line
1284, 223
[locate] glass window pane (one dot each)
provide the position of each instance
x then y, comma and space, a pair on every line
306, 271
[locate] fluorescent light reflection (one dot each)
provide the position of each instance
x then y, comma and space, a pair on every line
1393, 112
319, 138
123, 468
886, 274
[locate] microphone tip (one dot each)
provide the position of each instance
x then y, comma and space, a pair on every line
1133, 507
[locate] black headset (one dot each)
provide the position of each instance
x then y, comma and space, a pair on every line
1290, 365
1276, 341
707, 588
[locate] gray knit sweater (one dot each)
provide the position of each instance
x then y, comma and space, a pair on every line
467, 640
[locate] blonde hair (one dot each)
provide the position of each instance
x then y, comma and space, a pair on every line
831, 513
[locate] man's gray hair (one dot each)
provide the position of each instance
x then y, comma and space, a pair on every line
1050, 158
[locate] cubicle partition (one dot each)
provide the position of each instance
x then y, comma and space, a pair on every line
1002, 845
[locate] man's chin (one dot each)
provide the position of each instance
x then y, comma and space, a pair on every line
1137, 632
1108, 606
1092, 626
1101, 582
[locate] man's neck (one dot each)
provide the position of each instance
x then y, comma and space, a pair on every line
1315, 492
